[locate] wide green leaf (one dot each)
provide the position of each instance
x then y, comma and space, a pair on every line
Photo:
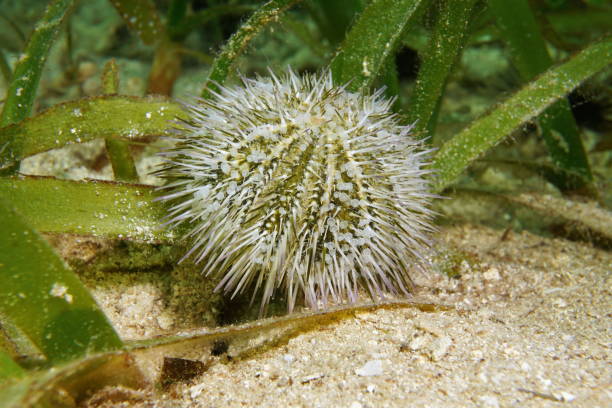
109, 116
92, 207
44, 298
457, 154
371, 40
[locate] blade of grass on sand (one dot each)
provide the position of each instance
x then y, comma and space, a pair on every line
371, 40
437, 61
266, 14
77, 381
527, 47
457, 154
44, 298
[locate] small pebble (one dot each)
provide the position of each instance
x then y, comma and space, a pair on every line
196, 390
310, 378
371, 368
489, 401
492, 274
565, 396
417, 343
441, 348
165, 321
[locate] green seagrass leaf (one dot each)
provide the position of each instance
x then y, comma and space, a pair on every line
333, 18
44, 298
204, 16
437, 61
458, 153
221, 66
22, 89
8, 368
108, 116
142, 18
93, 207
77, 381
371, 40
519, 29
124, 168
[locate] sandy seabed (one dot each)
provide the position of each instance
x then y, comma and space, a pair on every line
529, 326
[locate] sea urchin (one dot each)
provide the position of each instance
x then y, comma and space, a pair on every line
295, 184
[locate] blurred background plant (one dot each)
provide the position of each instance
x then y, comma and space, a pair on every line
515, 95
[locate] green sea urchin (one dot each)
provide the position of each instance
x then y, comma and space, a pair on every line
296, 184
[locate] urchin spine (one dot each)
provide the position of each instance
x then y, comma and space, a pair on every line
296, 184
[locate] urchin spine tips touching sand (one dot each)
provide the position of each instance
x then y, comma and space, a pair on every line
296, 185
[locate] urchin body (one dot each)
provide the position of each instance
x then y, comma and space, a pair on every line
294, 184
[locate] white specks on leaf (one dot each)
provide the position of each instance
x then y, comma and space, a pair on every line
60, 291
365, 67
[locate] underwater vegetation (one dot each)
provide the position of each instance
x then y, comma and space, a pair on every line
394, 67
